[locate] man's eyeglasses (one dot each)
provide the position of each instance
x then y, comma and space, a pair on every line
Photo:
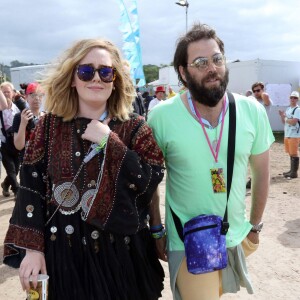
87, 73
202, 63
36, 95
256, 91
292, 97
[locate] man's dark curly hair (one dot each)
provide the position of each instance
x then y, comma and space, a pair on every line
197, 32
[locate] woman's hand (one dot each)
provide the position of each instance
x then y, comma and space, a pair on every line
96, 131
31, 265
26, 115
161, 251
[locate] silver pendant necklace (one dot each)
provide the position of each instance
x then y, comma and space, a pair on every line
92, 151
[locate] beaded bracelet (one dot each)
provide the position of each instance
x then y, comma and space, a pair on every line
159, 234
158, 231
155, 228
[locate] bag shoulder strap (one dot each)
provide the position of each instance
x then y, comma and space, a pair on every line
293, 116
294, 110
230, 155
230, 164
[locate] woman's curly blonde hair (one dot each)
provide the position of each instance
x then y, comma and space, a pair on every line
62, 98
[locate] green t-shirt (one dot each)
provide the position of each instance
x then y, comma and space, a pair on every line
188, 161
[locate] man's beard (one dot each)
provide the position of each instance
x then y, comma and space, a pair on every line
207, 96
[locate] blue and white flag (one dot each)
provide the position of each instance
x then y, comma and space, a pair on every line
131, 37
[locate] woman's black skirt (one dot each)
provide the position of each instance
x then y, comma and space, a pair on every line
84, 262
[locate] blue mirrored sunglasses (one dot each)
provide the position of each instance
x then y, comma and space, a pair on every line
87, 73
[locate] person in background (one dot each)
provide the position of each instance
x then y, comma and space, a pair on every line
138, 104
264, 99
291, 120
260, 95
10, 157
198, 146
21, 91
25, 121
160, 94
147, 100
19, 97
2, 100
171, 93
248, 93
87, 178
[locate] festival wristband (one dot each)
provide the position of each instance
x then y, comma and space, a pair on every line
103, 142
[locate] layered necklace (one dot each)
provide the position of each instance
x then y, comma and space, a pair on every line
69, 187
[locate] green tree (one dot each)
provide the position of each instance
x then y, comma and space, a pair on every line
163, 66
16, 63
151, 72
4, 73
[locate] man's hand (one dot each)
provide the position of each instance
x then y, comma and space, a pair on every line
266, 99
253, 237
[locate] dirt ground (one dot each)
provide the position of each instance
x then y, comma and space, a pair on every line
274, 268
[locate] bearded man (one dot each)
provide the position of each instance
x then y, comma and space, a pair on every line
192, 131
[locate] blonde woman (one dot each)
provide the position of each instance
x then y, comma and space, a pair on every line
88, 175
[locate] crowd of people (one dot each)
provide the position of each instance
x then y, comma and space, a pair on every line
144, 103
93, 150
18, 116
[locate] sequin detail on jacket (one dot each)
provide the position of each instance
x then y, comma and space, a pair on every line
131, 166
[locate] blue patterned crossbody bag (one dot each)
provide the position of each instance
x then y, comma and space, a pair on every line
204, 236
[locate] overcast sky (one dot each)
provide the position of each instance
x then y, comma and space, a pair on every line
37, 31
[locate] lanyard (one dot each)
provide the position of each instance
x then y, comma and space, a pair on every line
94, 149
103, 116
199, 118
